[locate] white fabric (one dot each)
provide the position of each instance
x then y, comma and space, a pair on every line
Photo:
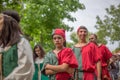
25, 68
38, 60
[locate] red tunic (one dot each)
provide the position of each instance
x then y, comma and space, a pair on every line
87, 57
66, 56
106, 55
90, 56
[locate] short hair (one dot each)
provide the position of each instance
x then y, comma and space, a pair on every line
82, 27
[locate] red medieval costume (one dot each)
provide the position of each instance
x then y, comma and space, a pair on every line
105, 56
87, 57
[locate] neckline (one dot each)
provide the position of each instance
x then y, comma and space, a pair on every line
58, 52
80, 46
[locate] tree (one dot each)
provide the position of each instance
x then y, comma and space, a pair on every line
40, 17
11, 4
74, 37
109, 27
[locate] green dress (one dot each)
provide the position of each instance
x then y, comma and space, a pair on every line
37, 74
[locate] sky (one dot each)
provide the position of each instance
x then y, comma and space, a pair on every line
87, 17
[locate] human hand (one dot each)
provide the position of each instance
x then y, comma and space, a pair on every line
70, 70
47, 66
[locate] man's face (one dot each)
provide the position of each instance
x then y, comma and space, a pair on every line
82, 33
92, 38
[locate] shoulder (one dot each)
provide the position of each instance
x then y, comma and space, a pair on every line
24, 44
48, 52
77, 45
91, 44
23, 41
67, 49
102, 46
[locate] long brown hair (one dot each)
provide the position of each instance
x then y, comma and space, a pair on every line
10, 33
41, 49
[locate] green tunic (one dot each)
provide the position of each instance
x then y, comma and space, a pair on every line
50, 58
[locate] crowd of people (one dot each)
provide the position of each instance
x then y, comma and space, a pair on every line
86, 60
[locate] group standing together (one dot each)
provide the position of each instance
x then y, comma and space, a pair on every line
84, 61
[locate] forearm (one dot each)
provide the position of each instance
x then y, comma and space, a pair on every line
49, 72
99, 69
57, 68
110, 61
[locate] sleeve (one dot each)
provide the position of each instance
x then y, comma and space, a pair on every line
69, 58
25, 68
97, 55
108, 54
50, 58
46, 61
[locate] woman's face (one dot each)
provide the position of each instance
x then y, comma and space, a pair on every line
58, 40
1, 22
38, 51
82, 33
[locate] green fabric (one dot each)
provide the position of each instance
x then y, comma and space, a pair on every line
78, 55
50, 58
35, 76
10, 59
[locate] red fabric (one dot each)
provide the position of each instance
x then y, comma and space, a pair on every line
59, 32
66, 56
90, 57
105, 74
106, 55
88, 76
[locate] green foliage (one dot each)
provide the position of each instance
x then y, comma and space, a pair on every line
70, 44
11, 4
109, 28
74, 37
40, 17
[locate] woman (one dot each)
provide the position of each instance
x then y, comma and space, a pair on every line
60, 61
105, 57
17, 61
87, 56
38, 62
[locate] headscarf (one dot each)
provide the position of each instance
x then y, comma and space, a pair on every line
60, 32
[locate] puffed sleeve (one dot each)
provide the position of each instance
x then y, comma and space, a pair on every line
69, 58
107, 53
25, 68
